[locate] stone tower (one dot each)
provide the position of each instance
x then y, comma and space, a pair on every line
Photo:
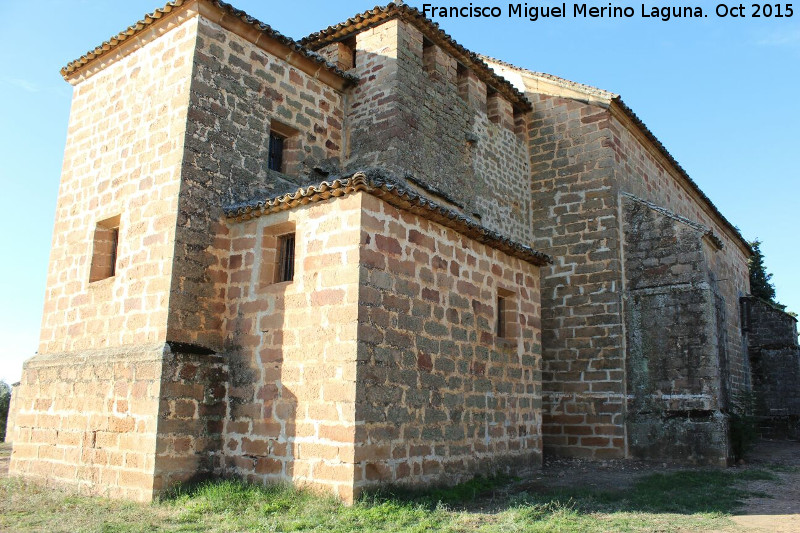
263, 267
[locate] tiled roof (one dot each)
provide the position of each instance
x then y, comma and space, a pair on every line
160, 13
397, 195
617, 99
380, 14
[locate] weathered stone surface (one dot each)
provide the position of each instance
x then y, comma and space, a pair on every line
775, 358
88, 420
676, 355
481, 408
386, 357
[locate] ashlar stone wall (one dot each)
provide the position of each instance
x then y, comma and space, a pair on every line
775, 359
441, 396
379, 362
419, 114
645, 174
89, 421
168, 132
239, 92
88, 403
122, 158
575, 219
292, 348
584, 156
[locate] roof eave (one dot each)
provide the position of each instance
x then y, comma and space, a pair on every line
619, 108
178, 11
394, 194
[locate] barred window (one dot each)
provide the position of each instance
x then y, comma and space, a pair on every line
276, 141
286, 258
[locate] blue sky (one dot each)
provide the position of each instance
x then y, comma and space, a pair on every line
721, 94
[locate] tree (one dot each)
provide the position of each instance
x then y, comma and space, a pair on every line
760, 285
5, 403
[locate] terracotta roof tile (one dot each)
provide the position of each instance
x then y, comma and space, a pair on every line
397, 195
158, 14
380, 14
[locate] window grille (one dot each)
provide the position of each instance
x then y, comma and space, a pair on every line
286, 258
275, 161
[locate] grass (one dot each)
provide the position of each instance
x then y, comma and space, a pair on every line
681, 501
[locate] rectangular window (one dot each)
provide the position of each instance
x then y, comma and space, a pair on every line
428, 55
286, 258
114, 246
507, 326
462, 79
276, 141
502, 327
744, 314
105, 248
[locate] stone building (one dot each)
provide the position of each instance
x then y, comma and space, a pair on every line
775, 357
642, 340
370, 256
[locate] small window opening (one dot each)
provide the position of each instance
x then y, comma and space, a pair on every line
462, 80
502, 327
286, 257
346, 63
428, 55
506, 326
114, 245
105, 248
493, 105
276, 143
283, 152
744, 310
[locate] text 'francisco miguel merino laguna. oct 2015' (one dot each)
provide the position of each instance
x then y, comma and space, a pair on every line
645, 11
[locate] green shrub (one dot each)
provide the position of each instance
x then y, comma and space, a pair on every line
744, 410
5, 403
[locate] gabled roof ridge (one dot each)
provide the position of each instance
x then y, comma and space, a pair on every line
564, 82
682, 171
137, 28
396, 194
379, 14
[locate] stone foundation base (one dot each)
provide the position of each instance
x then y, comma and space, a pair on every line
88, 420
122, 423
700, 441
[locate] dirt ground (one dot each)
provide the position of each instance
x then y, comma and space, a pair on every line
778, 511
